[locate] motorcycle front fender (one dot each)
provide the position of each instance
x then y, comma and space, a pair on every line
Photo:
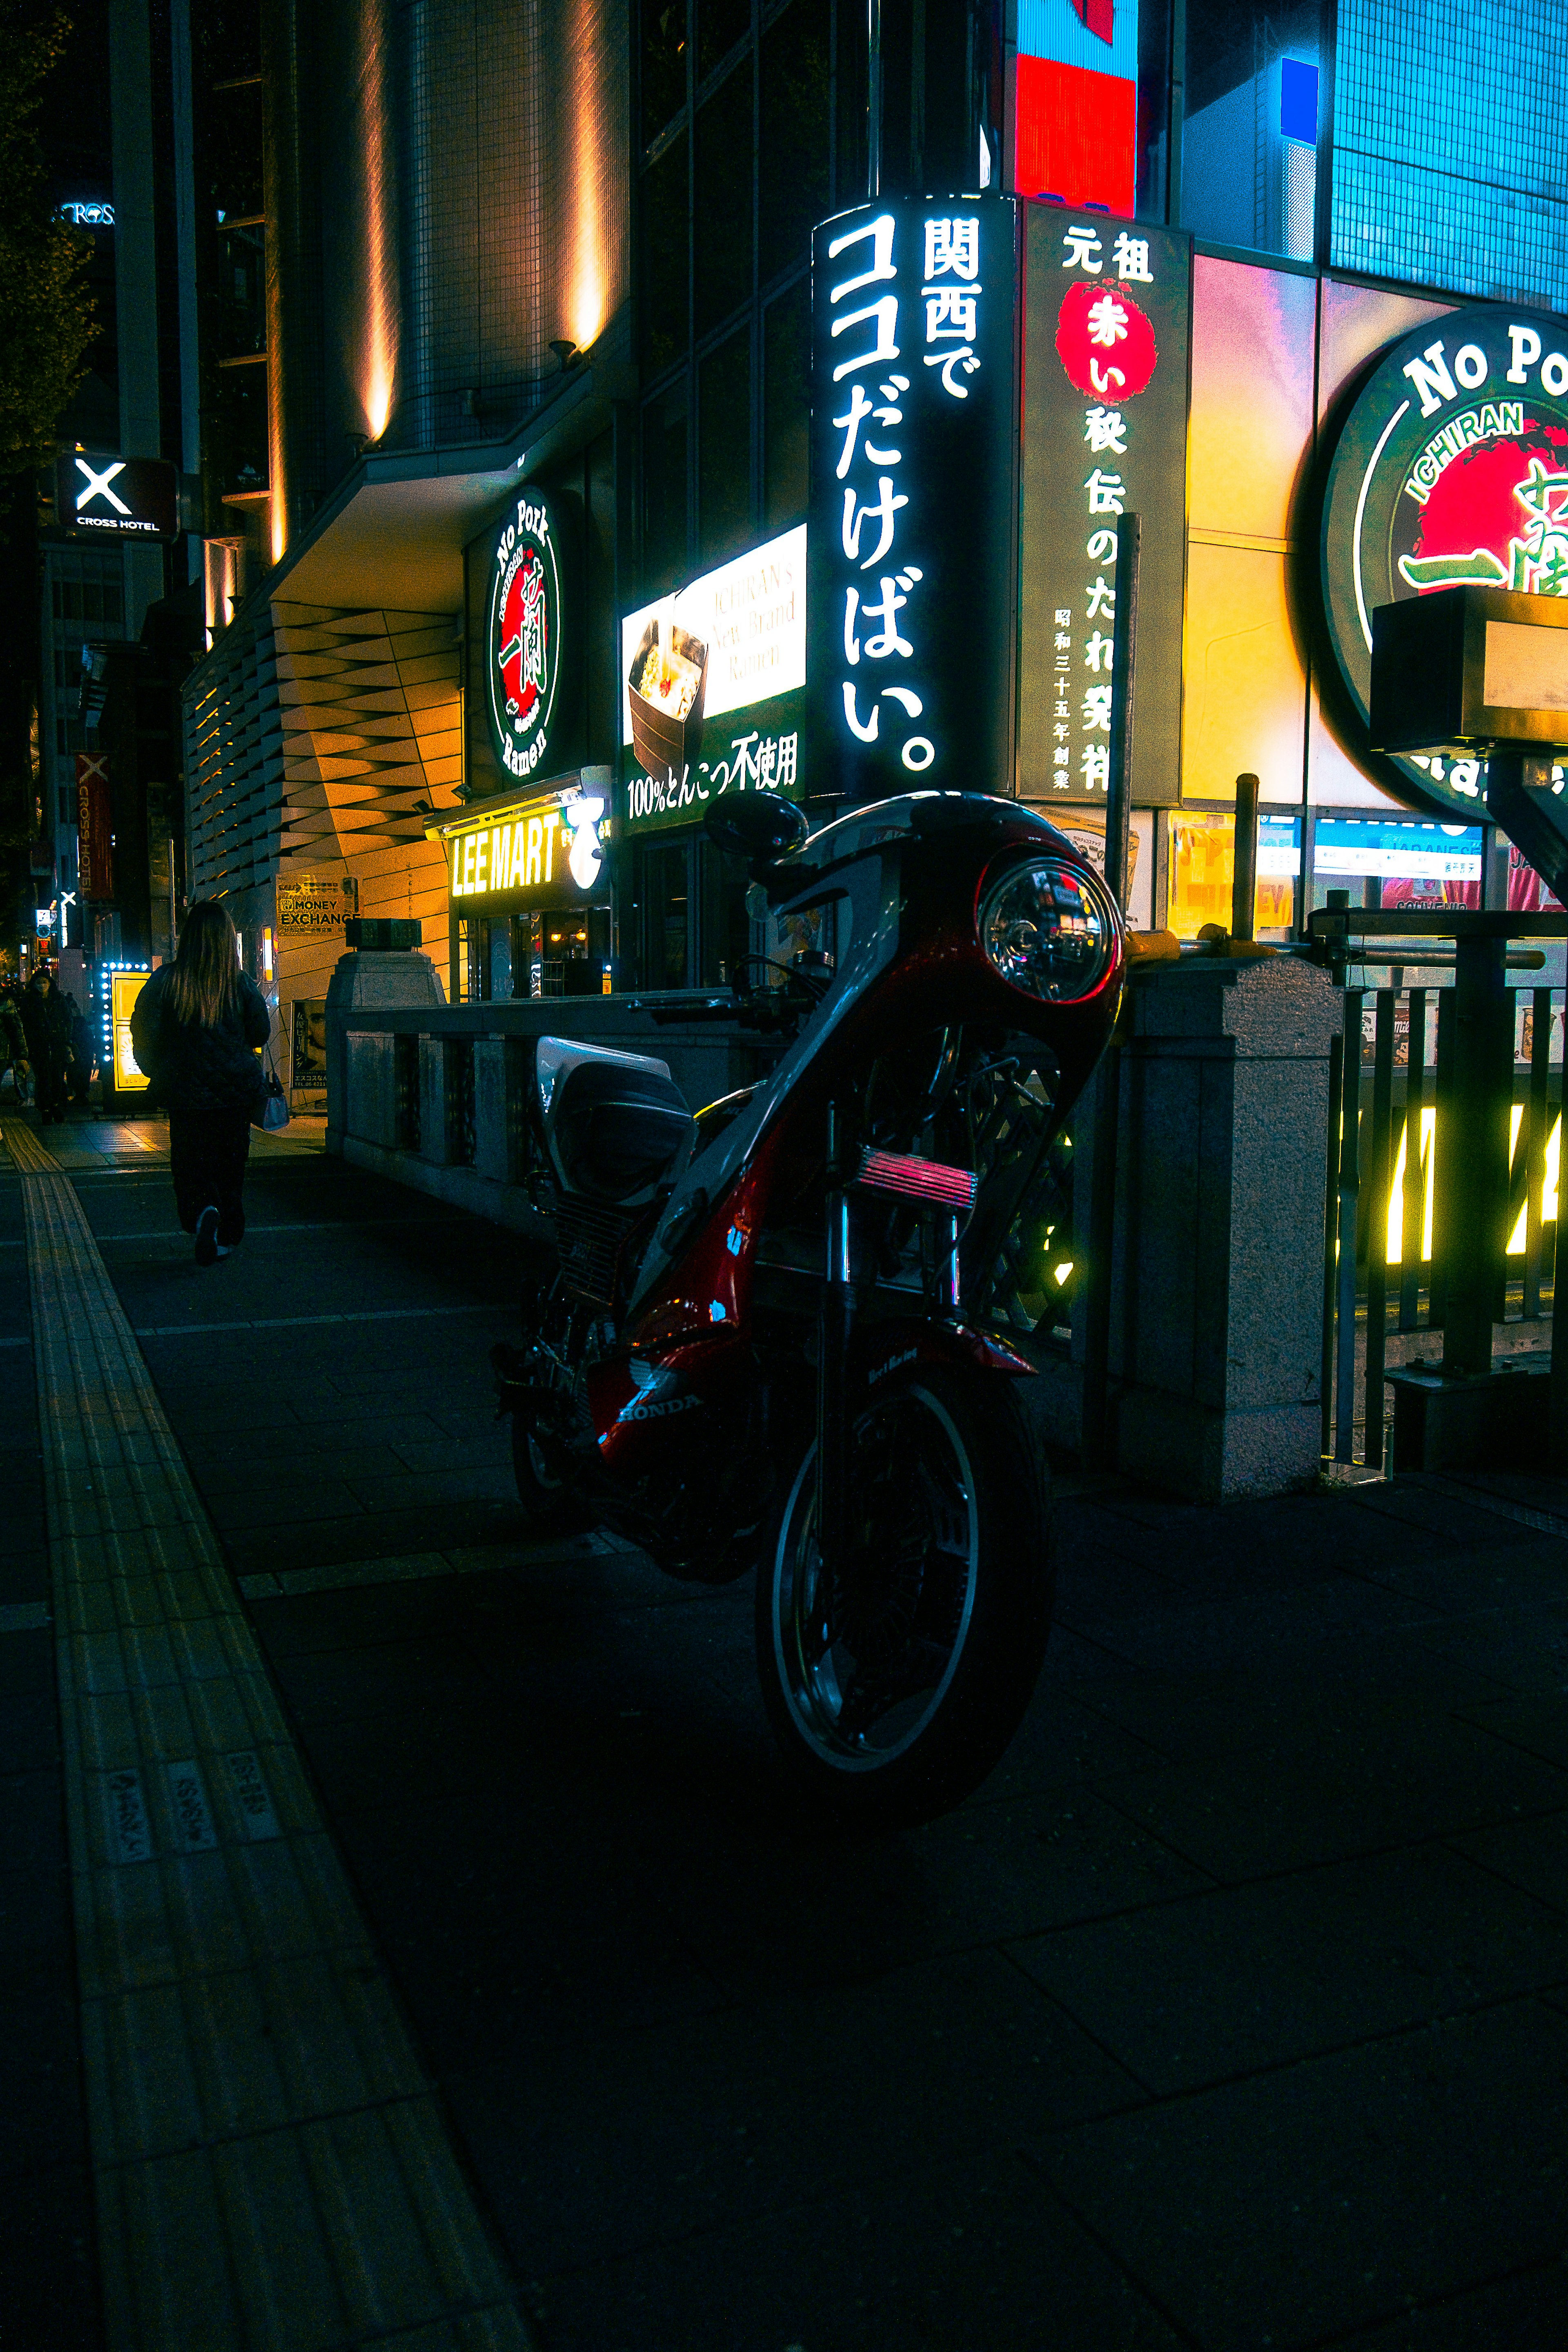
883, 1349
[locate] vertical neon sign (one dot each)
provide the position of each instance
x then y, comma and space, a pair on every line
1077, 103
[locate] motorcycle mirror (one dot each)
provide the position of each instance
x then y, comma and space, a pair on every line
758, 826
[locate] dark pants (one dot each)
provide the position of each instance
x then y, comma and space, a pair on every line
50, 1069
207, 1151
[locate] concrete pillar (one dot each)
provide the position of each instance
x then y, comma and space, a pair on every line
368, 981
1217, 1300
434, 1124
500, 1083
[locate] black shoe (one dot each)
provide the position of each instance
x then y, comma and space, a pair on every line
206, 1237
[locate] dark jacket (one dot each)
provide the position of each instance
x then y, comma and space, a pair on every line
13, 1037
193, 1068
35, 1022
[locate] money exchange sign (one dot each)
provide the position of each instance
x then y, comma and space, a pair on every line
1107, 321
911, 559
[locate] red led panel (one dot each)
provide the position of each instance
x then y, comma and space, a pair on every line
1076, 136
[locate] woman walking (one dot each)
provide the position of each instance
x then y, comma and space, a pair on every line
194, 1031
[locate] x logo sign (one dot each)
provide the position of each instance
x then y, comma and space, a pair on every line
98, 485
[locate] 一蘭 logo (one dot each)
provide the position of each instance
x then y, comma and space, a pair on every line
523, 645
1451, 468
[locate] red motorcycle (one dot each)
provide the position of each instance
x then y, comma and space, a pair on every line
775, 1335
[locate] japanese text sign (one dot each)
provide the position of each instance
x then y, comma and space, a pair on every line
1107, 323
910, 568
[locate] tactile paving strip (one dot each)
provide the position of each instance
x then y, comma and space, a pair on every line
271, 2167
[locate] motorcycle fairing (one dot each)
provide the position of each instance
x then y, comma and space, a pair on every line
857, 860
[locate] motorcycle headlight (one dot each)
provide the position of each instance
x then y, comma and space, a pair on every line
1048, 930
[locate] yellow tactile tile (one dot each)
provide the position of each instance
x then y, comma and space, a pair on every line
272, 2172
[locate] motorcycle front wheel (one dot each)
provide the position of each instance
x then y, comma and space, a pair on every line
894, 1687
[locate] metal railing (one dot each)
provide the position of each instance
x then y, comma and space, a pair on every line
1444, 1133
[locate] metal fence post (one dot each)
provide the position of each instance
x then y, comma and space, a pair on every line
1472, 1172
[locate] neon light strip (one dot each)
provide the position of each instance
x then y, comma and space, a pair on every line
1359, 511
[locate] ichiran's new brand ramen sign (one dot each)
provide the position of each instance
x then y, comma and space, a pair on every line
1451, 468
524, 649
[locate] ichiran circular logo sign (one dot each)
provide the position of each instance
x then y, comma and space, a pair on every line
523, 648
1452, 467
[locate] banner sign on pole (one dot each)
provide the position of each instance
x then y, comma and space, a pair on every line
1107, 322
95, 859
910, 562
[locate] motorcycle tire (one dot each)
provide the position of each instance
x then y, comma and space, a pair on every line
894, 1705
550, 1503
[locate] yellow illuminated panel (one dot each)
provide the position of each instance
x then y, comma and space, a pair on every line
124, 988
1203, 864
516, 854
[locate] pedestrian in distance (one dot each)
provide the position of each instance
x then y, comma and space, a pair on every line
47, 1028
14, 1045
195, 1030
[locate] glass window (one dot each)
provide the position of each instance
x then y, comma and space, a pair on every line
720, 24
1254, 109
663, 64
786, 364
794, 181
849, 125
724, 158
724, 425
666, 898
239, 295
664, 465
664, 222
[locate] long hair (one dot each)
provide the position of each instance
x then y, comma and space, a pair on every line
205, 986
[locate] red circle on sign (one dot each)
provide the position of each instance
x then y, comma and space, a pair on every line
1105, 341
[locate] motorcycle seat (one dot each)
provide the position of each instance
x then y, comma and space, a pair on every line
617, 1131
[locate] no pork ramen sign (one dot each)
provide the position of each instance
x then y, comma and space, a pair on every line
523, 637
1451, 468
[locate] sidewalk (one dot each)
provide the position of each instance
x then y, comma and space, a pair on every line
1232, 2012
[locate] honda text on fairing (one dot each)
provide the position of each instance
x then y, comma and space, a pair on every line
776, 1336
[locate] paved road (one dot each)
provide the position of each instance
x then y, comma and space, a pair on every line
1233, 2010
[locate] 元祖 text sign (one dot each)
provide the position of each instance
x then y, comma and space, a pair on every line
1106, 320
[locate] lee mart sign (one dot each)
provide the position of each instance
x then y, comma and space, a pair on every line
546, 852
1451, 470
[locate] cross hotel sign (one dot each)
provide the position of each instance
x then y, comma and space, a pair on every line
1450, 470
123, 498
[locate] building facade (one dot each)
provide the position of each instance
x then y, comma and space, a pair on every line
487, 256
